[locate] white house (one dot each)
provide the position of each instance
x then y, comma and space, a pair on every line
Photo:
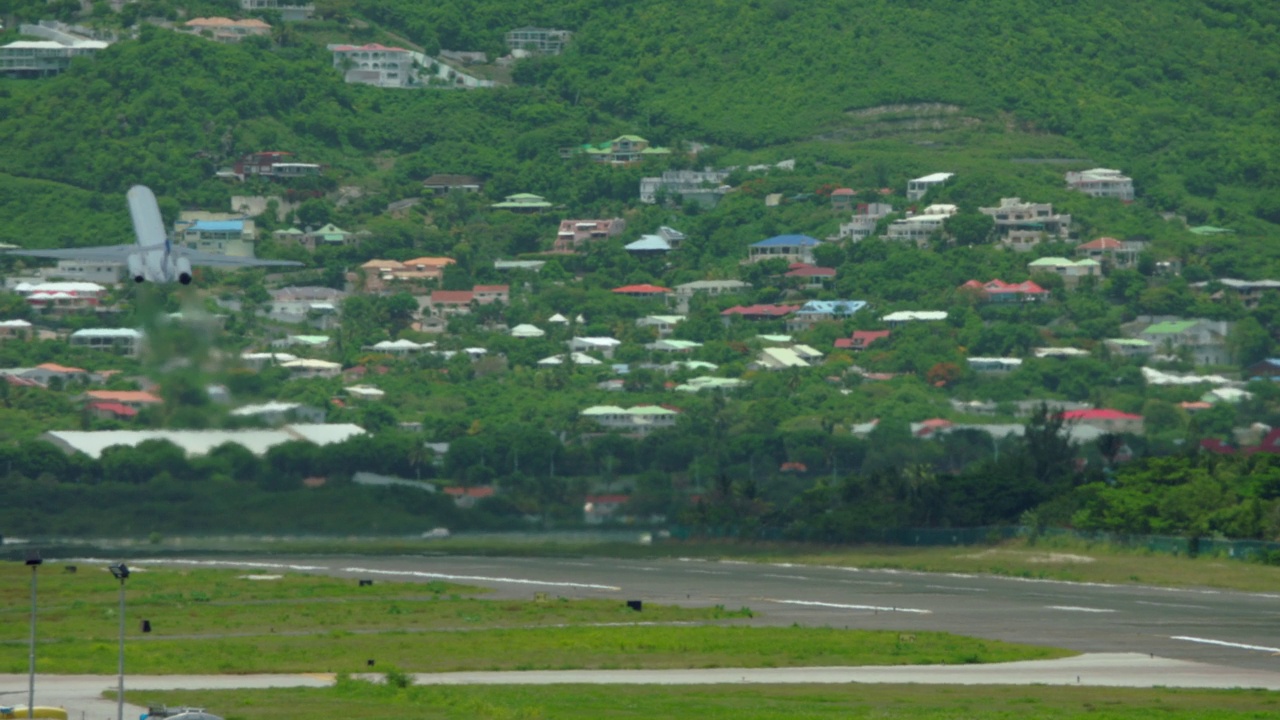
1103, 183
919, 187
375, 64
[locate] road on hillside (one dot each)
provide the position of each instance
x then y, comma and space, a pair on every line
1219, 627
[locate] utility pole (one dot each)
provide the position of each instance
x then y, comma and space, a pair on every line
120, 572
34, 561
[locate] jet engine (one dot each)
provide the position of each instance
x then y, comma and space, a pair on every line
183, 268
137, 267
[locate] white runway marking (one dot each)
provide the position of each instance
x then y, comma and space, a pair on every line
956, 587
783, 577
709, 572
877, 608
1077, 608
480, 578
1176, 605
1224, 643
883, 583
214, 563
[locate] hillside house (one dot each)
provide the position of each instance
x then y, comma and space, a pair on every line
998, 291
643, 291
1248, 292
641, 420
16, 330
1268, 369
784, 358
1071, 271
816, 311
375, 64
861, 339
919, 228
62, 297
101, 272
1022, 225
1205, 340
444, 303
522, 203
622, 150
305, 368
596, 509
226, 30
122, 341
467, 497
46, 57
1106, 420
902, 317
663, 325
575, 233
603, 345
273, 164
792, 248
702, 187
289, 10
685, 291
810, 277
919, 187
1129, 347
1102, 183
328, 235
863, 223
537, 41
134, 399
444, 184
215, 235
757, 312
1112, 252
486, 294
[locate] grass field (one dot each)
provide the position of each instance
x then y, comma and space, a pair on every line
221, 621
354, 700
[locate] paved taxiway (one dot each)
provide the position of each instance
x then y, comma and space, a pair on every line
1134, 635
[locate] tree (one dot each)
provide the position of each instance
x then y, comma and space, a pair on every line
970, 228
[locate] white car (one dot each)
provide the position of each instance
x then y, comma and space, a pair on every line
436, 533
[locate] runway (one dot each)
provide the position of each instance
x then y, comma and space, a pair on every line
1220, 627
1133, 635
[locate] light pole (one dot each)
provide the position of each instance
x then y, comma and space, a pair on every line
34, 561
120, 572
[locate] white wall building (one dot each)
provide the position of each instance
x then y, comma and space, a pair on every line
48, 56
917, 188
1102, 182
375, 64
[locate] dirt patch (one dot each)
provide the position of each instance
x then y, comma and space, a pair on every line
914, 108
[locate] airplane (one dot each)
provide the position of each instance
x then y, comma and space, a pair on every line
152, 258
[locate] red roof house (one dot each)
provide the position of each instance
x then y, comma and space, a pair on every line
643, 290
861, 339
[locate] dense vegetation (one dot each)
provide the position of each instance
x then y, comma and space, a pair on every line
866, 94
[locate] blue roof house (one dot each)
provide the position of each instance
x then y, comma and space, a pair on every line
816, 311
792, 248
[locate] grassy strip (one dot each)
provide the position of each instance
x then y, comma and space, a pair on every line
363, 701
192, 604
559, 648
220, 621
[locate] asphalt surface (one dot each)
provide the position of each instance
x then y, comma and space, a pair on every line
1136, 635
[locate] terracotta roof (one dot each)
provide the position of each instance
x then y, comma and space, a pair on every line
452, 296
810, 271
475, 492
428, 262
54, 367
862, 338
124, 396
761, 310
114, 408
645, 289
1102, 243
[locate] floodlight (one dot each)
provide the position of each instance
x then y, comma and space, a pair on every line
33, 558
119, 571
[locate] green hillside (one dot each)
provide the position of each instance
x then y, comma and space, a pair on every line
1183, 96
